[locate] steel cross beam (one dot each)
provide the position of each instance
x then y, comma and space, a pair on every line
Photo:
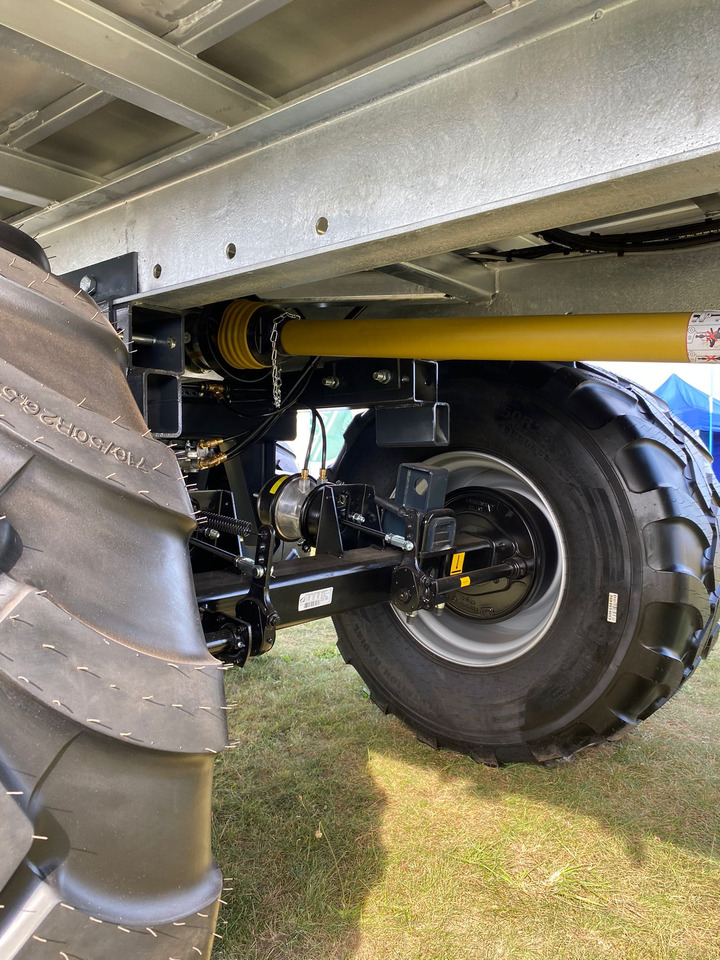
584, 116
117, 57
637, 283
40, 124
212, 25
36, 181
218, 21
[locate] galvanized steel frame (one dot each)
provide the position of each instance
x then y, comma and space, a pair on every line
546, 113
35, 181
210, 26
111, 54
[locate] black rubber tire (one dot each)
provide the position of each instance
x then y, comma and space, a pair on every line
637, 503
111, 709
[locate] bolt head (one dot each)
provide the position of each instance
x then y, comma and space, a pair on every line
88, 284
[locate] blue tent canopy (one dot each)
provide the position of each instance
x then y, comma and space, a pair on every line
691, 405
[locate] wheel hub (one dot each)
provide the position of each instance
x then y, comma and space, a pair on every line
486, 513
493, 623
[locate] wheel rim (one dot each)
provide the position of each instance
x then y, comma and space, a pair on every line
461, 637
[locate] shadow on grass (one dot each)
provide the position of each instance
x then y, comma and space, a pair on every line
298, 816
643, 790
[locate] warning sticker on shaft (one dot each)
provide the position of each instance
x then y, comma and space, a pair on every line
703, 337
315, 598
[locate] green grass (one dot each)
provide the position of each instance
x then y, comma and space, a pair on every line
346, 838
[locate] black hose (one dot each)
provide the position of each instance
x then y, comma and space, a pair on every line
306, 464
683, 237
271, 418
670, 238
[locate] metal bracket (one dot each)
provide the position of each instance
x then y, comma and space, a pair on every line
427, 425
108, 280
256, 609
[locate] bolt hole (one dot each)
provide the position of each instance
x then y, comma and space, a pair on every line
230, 251
157, 270
321, 226
421, 486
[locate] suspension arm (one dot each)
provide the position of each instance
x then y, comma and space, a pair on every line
310, 587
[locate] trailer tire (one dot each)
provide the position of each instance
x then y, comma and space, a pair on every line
106, 756
629, 607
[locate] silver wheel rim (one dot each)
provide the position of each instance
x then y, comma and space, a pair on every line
474, 643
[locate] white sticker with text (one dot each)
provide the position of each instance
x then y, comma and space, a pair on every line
316, 598
612, 607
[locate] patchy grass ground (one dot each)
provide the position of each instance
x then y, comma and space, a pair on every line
346, 838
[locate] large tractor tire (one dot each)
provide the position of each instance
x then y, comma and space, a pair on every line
111, 709
618, 499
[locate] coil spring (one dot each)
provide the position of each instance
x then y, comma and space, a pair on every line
219, 521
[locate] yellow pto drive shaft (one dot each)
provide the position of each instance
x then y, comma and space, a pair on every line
670, 337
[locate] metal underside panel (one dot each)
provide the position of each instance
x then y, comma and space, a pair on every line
322, 139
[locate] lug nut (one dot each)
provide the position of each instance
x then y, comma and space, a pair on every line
88, 284
332, 383
382, 376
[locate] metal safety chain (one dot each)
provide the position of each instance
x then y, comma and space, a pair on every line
275, 366
274, 356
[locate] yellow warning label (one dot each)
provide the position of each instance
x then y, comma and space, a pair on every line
457, 563
278, 483
464, 581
